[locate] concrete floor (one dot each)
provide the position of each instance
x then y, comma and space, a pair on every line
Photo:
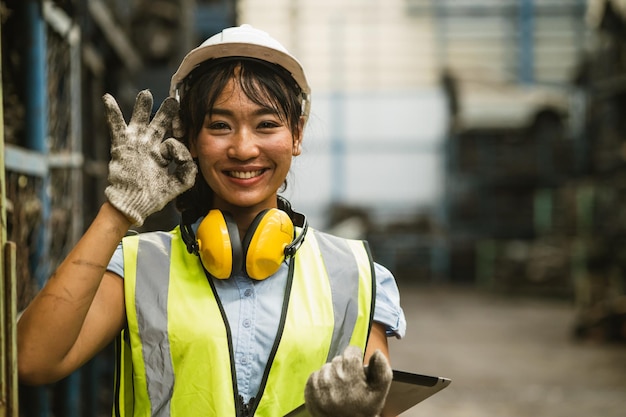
506, 357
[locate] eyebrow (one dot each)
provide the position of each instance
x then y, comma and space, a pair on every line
261, 111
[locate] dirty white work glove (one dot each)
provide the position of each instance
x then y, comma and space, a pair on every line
141, 181
344, 388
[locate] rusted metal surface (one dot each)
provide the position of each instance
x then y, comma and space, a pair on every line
8, 305
10, 334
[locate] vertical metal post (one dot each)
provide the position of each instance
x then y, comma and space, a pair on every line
526, 27
76, 128
8, 299
37, 123
337, 105
74, 381
36, 139
187, 39
4, 386
439, 13
579, 102
10, 335
441, 253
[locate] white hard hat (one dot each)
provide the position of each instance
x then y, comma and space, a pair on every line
243, 41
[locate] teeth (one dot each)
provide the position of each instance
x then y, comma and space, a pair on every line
245, 174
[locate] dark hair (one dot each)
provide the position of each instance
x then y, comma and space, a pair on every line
266, 84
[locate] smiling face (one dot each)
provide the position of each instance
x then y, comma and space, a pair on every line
244, 151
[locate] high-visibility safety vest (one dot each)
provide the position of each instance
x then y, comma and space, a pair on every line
175, 358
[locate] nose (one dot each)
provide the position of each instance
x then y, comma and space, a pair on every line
243, 145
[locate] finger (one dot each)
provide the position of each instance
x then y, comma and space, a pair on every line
163, 118
353, 352
173, 149
178, 130
142, 109
313, 383
312, 396
182, 179
114, 117
332, 373
185, 170
186, 174
379, 373
352, 359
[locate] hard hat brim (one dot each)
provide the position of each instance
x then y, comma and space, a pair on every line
247, 50
246, 42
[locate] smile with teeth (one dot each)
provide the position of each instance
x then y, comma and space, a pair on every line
244, 175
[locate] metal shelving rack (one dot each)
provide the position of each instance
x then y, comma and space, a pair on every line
502, 179
55, 152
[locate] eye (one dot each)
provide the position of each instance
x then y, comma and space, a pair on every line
269, 124
219, 126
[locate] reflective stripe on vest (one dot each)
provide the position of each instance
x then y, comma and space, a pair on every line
181, 357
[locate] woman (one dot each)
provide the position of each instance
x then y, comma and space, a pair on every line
236, 310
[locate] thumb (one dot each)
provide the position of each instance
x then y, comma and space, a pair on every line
379, 373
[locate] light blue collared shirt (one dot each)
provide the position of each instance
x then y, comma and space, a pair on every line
252, 308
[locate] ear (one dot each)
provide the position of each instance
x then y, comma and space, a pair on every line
297, 139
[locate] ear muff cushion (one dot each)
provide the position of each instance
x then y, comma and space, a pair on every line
219, 246
264, 244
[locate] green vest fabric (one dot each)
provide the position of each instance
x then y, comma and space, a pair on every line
175, 356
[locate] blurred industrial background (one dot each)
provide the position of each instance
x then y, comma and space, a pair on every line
480, 147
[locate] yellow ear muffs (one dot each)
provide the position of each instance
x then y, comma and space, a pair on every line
262, 251
265, 242
219, 246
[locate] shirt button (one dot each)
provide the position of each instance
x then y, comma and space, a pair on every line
244, 360
246, 323
247, 293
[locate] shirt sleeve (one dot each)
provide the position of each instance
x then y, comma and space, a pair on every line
387, 310
116, 265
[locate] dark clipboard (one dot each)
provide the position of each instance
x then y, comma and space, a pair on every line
407, 390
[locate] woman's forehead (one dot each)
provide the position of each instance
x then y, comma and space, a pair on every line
246, 90
234, 95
